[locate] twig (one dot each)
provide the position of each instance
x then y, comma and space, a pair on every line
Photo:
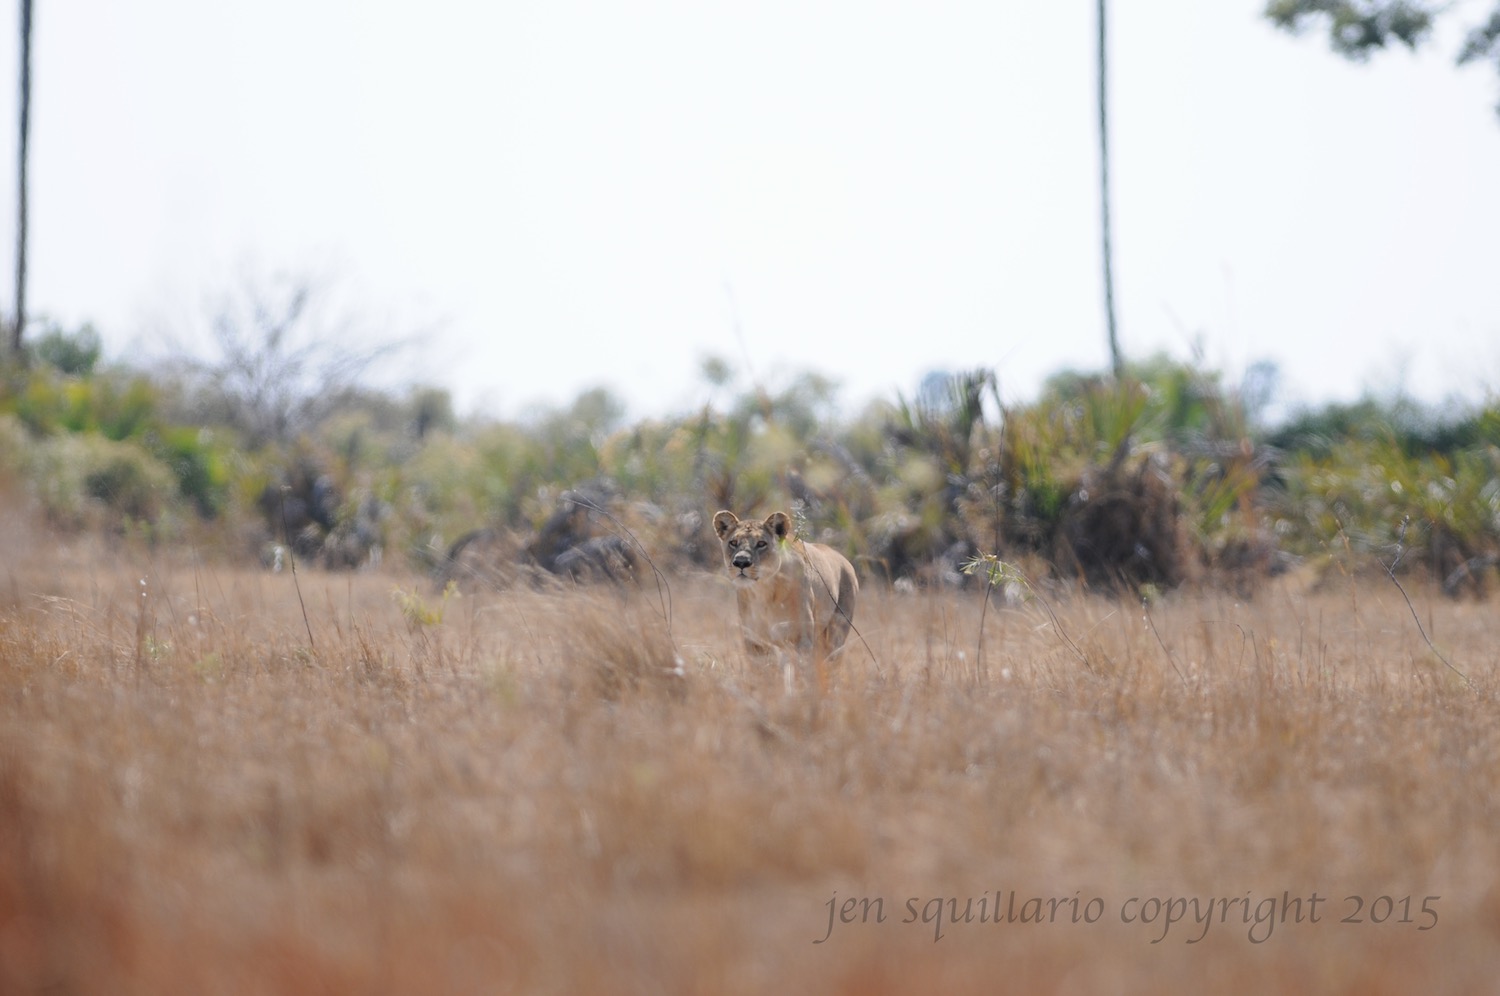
1163, 643
1390, 572
140, 631
291, 557
984, 609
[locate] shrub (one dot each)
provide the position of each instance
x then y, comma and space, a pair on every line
199, 465
115, 404
88, 481
71, 353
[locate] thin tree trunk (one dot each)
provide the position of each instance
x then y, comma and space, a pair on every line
1117, 361
24, 148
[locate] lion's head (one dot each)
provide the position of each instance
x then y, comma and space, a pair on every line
752, 550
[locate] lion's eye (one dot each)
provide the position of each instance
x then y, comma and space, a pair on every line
760, 544
734, 544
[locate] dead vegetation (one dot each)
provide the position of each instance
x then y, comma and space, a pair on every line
593, 791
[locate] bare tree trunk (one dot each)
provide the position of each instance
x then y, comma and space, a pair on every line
1117, 362
24, 148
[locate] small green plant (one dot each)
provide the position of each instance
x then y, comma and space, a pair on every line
997, 572
418, 614
422, 622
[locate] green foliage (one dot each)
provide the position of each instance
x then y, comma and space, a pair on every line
15, 442
1483, 42
942, 418
431, 411
995, 571
1368, 492
1147, 481
1358, 27
113, 404
71, 353
1399, 421
199, 463
90, 481
72, 417
416, 610
1355, 27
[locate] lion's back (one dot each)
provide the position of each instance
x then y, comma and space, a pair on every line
834, 604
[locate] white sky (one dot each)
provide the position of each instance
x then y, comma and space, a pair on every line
575, 192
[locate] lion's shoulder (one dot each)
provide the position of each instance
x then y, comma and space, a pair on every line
826, 563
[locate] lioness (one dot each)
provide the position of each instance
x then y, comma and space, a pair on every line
791, 594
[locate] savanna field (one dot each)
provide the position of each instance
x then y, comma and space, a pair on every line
217, 778
317, 679
1145, 693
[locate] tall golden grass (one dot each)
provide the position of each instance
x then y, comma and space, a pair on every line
580, 791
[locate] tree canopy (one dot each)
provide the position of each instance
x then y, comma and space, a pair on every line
1356, 28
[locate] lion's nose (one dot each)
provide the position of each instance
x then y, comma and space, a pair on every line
742, 559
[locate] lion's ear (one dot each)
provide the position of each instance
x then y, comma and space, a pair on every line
779, 524
725, 521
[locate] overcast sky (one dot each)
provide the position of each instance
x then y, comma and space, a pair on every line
576, 194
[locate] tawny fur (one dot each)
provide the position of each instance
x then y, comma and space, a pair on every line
792, 595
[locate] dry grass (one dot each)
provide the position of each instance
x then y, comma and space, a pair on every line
556, 793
